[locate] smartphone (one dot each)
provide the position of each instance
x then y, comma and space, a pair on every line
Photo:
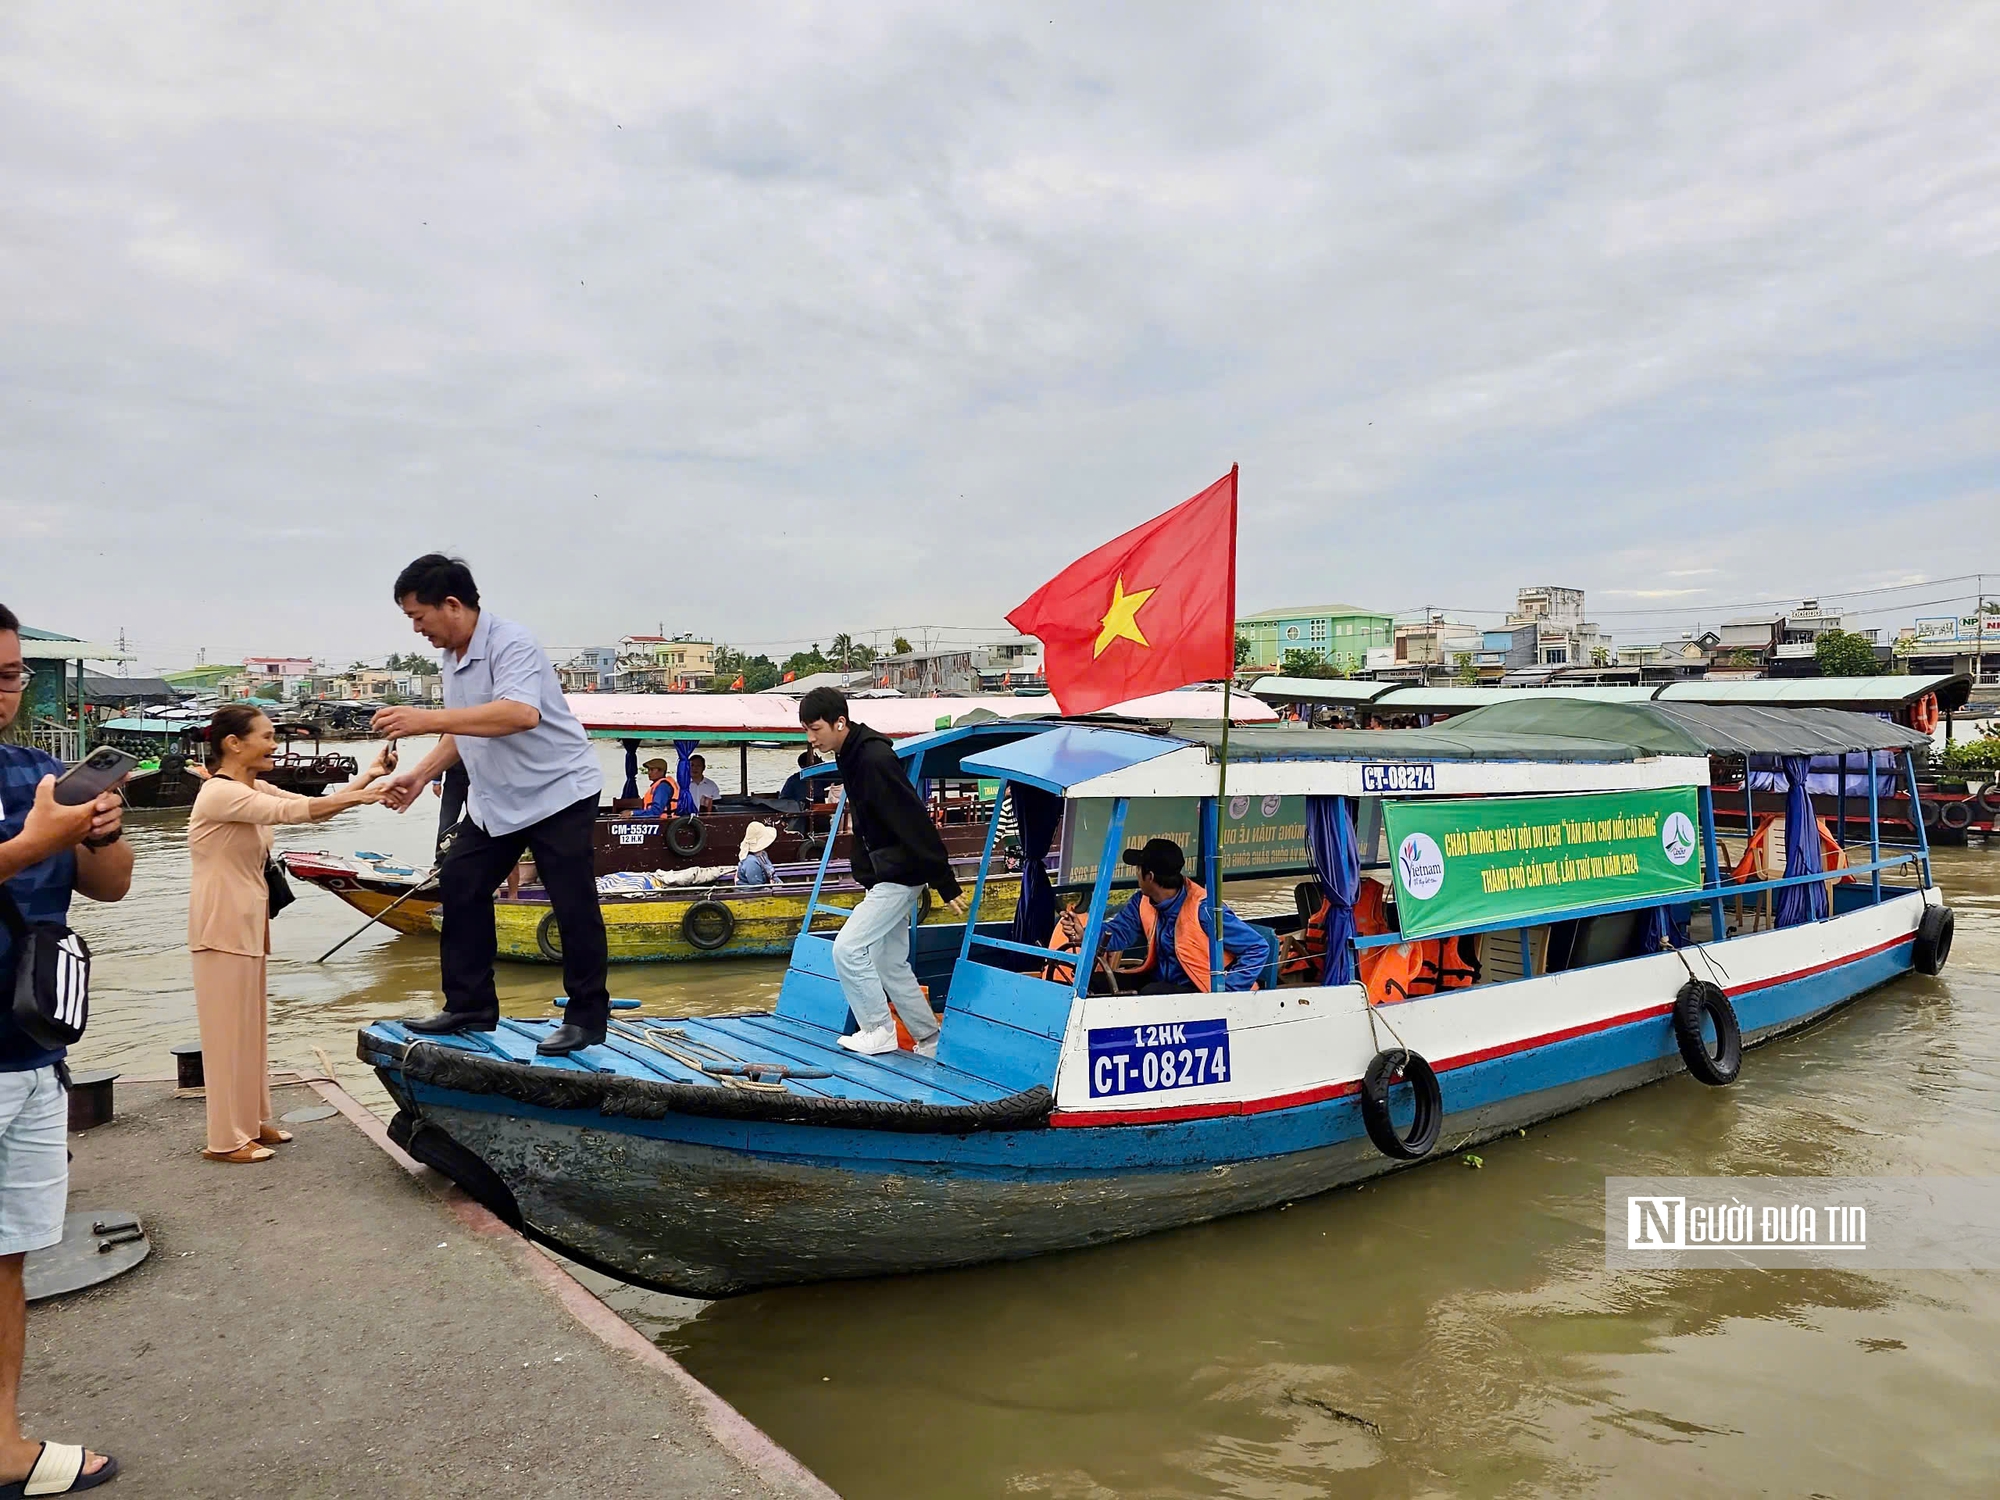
97, 773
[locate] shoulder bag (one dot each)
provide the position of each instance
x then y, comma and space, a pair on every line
51, 998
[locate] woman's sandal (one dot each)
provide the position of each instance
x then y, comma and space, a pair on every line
249, 1153
271, 1135
58, 1470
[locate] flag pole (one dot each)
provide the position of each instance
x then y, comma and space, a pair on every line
1222, 755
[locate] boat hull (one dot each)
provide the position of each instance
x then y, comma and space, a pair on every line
368, 895
710, 1207
648, 929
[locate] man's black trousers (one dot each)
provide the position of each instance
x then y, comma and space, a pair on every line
477, 862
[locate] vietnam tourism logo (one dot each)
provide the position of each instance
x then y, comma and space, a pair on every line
1420, 866
1677, 838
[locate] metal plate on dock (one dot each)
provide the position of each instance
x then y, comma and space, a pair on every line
95, 1247
307, 1115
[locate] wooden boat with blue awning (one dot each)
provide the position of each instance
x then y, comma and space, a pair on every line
1581, 872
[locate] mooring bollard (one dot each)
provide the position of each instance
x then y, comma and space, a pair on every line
90, 1099
187, 1059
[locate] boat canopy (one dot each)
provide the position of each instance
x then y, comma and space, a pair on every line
1660, 728
1078, 761
732, 718
1879, 694
941, 754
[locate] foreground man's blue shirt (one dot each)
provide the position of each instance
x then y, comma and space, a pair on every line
518, 779
1238, 937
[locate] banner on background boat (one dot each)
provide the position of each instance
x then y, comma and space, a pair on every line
1259, 834
1462, 863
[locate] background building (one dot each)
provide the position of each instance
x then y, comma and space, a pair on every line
1563, 637
664, 664
1343, 633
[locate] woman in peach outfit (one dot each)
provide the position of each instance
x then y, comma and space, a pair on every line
229, 924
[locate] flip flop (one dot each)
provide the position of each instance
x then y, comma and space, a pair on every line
58, 1470
271, 1135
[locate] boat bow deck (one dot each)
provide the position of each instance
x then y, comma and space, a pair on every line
758, 1066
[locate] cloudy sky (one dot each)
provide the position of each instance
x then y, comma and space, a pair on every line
770, 321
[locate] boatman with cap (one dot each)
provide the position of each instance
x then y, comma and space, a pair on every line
661, 795
1176, 929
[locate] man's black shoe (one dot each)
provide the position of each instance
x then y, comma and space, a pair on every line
450, 1023
566, 1039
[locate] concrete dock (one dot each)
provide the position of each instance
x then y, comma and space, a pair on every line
341, 1322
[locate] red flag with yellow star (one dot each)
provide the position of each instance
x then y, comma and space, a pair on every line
1148, 613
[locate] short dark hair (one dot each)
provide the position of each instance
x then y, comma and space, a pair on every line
808, 757
824, 705
231, 718
698, 757
434, 578
9, 620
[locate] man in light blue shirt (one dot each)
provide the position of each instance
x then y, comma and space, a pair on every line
533, 785
1176, 930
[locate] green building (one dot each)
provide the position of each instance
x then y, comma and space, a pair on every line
1344, 633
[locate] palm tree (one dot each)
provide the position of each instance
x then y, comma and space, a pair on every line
841, 649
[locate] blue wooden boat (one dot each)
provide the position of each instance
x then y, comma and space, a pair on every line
715, 1155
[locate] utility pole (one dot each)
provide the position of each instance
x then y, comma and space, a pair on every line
124, 667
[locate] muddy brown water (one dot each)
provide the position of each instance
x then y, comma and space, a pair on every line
1446, 1331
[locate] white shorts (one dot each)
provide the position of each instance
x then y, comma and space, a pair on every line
34, 1159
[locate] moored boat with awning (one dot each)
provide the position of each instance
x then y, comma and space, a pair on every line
1577, 866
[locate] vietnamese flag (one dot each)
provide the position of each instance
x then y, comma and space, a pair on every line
737, 685
1148, 613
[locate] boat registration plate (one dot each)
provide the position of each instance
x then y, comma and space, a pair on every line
1399, 778
1152, 1059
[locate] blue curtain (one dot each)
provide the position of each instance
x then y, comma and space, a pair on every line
1664, 927
1797, 904
1039, 814
682, 775
631, 768
1330, 836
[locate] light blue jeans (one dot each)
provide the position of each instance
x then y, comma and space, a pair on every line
871, 954
34, 1159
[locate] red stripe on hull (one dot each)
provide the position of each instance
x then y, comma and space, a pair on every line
1172, 1114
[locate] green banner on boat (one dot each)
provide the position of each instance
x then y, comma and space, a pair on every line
1462, 863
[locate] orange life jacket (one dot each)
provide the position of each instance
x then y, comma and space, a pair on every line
1190, 942
673, 795
1401, 971
1067, 938
1305, 958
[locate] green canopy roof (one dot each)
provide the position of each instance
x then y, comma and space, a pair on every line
1451, 741
1658, 728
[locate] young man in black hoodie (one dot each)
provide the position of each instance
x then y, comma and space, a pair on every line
896, 853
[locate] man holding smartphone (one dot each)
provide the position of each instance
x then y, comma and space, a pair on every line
47, 852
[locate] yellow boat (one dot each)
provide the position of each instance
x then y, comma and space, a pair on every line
715, 921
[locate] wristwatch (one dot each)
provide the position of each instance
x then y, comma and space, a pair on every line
107, 841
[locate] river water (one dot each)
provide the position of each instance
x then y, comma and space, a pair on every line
1446, 1331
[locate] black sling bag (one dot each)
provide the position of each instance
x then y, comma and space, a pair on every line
51, 999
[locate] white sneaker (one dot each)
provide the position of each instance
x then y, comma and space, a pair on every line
927, 1047
871, 1043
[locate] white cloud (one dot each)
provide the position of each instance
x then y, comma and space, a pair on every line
781, 320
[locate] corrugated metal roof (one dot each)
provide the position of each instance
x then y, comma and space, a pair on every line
1826, 692
1337, 690
1693, 728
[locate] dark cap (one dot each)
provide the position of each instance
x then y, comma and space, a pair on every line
1161, 858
